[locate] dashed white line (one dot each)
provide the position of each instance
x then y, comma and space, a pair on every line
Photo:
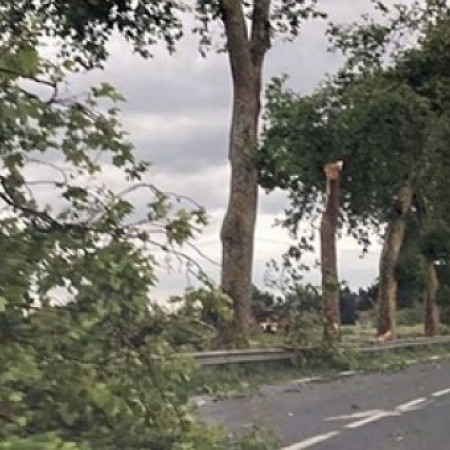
374, 418
441, 393
367, 417
357, 415
311, 441
409, 406
403, 408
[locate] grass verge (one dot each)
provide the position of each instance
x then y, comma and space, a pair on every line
246, 379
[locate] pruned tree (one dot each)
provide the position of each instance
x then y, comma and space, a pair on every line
434, 244
351, 124
372, 46
328, 259
383, 119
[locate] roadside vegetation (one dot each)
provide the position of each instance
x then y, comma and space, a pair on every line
238, 380
87, 359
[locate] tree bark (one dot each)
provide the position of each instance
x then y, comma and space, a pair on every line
393, 240
330, 280
239, 222
246, 52
431, 310
431, 307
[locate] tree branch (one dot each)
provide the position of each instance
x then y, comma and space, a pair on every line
18, 74
237, 40
260, 36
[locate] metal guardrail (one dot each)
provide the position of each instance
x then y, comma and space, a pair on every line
219, 357
223, 357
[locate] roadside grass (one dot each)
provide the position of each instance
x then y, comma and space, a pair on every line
354, 335
245, 379
398, 359
260, 339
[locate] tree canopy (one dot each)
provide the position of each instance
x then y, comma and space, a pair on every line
78, 260
384, 114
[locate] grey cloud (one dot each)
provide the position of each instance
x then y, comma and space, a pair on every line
208, 187
180, 143
273, 203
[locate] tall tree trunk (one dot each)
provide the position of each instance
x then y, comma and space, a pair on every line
431, 307
431, 316
239, 223
330, 280
246, 52
393, 240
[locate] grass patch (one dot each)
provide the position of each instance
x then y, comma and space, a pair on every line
395, 359
351, 335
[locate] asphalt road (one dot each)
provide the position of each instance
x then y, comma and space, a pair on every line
406, 410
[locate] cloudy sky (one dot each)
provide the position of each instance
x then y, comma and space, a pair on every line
177, 113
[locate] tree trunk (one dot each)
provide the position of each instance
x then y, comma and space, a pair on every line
330, 280
431, 317
393, 240
246, 54
431, 307
239, 223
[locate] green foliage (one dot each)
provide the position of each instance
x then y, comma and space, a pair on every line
385, 114
304, 330
370, 43
348, 303
46, 442
88, 373
301, 317
77, 266
199, 315
412, 315
84, 27
384, 118
410, 267
263, 300
435, 243
286, 18
304, 133
301, 298
258, 439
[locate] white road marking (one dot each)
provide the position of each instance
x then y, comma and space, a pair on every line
410, 406
379, 414
358, 415
306, 380
311, 441
366, 418
441, 393
373, 418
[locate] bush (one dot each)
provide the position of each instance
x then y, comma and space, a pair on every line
411, 316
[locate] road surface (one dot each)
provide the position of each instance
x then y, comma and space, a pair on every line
406, 410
